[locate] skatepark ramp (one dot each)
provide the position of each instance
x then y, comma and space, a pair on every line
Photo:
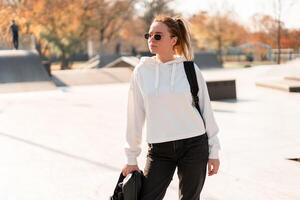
22, 70
21, 66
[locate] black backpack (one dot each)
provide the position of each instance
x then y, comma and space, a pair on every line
129, 187
190, 72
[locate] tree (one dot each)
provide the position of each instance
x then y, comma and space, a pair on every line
59, 25
108, 18
279, 25
8, 12
217, 31
278, 14
264, 29
294, 36
63, 26
133, 34
64, 32
154, 8
271, 27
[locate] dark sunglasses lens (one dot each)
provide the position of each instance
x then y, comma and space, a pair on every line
147, 36
157, 37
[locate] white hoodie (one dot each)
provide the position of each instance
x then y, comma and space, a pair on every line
160, 93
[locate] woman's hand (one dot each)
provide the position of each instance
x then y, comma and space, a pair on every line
213, 166
129, 168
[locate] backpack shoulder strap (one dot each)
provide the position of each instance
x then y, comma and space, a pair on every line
190, 72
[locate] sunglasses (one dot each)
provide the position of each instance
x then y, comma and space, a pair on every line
156, 36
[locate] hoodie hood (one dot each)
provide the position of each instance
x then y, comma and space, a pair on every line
152, 61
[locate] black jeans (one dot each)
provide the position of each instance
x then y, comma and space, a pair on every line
189, 155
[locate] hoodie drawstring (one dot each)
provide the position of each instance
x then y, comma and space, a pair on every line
156, 78
172, 82
173, 76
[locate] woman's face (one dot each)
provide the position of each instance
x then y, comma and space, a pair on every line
166, 42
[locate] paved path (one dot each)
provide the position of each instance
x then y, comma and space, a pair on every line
67, 144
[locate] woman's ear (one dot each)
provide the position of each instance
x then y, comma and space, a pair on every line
174, 41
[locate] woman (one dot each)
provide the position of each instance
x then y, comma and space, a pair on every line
177, 136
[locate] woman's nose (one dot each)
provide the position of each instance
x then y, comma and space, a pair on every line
151, 38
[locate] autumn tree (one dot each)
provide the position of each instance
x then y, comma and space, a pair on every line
63, 26
9, 10
24, 13
109, 17
271, 29
60, 25
154, 8
264, 28
64, 32
279, 11
132, 35
217, 31
294, 39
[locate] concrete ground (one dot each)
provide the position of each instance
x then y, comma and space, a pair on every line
67, 144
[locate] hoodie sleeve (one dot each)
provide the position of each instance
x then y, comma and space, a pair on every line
210, 122
135, 120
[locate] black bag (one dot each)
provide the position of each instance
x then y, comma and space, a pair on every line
190, 72
129, 187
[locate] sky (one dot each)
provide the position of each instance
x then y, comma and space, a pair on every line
244, 8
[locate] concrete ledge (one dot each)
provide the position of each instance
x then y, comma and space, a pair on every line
285, 85
294, 78
221, 89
